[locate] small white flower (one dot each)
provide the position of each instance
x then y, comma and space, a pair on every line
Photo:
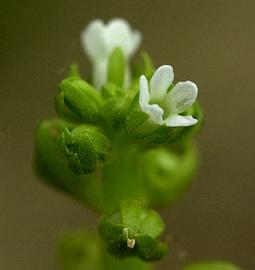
99, 40
164, 107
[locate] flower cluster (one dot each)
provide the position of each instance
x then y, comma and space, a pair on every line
122, 143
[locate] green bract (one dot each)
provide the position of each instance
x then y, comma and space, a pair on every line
133, 231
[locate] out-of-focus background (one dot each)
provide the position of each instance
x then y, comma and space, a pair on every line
211, 42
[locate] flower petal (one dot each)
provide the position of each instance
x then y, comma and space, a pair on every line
120, 34
181, 97
144, 92
180, 121
155, 113
160, 81
99, 73
93, 40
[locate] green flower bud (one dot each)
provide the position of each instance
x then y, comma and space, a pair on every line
168, 174
133, 231
117, 110
78, 101
212, 266
116, 67
86, 148
140, 126
52, 168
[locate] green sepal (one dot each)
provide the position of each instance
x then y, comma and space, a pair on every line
150, 249
116, 67
78, 101
213, 265
140, 127
133, 222
86, 148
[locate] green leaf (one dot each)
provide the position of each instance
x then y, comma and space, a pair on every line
116, 67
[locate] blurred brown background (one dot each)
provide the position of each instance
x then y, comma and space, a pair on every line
211, 42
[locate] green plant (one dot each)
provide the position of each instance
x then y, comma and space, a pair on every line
122, 145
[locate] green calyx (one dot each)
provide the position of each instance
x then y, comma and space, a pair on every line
86, 148
133, 231
140, 127
78, 101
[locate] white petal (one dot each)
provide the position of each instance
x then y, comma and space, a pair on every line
99, 73
144, 92
180, 121
93, 40
136, 39
120, 34
181, 97
155, 113
160, 81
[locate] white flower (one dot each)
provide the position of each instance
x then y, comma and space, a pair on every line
164, 107
99, 40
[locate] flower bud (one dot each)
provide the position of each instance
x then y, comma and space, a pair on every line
52, 168
214, 265
117, 108
78, 101
86, 148
133, 231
